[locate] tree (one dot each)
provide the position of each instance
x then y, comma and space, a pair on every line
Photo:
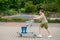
30, 7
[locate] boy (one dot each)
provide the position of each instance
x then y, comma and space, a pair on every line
43, 24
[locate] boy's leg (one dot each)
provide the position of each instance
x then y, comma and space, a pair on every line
40, 28
46, 27
40, 31
49, 32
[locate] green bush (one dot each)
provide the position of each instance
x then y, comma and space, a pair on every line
30, 7
18, 20
12, 20
54, 21
3, 20
22, 10
10, 12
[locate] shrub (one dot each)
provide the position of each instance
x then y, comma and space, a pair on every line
10, 12
3, 20
22, 10
30, 7
54, 21
18, 20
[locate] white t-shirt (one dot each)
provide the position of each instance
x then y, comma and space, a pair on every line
42, 18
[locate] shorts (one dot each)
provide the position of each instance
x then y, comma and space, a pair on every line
45, 25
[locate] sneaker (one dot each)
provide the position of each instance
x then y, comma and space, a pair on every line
39, 35
50, 36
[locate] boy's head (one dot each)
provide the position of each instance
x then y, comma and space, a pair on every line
41, 11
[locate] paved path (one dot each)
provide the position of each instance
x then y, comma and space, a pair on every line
26, 16
8, 31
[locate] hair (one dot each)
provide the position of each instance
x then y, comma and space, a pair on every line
42, 10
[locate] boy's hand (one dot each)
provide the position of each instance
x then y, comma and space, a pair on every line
32, 18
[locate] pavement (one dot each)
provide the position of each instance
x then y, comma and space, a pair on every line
8, 31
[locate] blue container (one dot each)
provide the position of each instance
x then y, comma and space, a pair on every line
24, 29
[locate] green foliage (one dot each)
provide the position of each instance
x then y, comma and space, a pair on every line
18, 20
30, 7
3, 20
58, 14
12, 20
54, 21
50, 7
22, 10
10, 12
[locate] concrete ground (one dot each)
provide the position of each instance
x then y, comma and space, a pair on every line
8, 31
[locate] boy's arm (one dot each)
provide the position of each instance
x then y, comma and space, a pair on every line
39, 17
35, 18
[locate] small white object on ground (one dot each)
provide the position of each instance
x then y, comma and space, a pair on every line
39, 35
50, 36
